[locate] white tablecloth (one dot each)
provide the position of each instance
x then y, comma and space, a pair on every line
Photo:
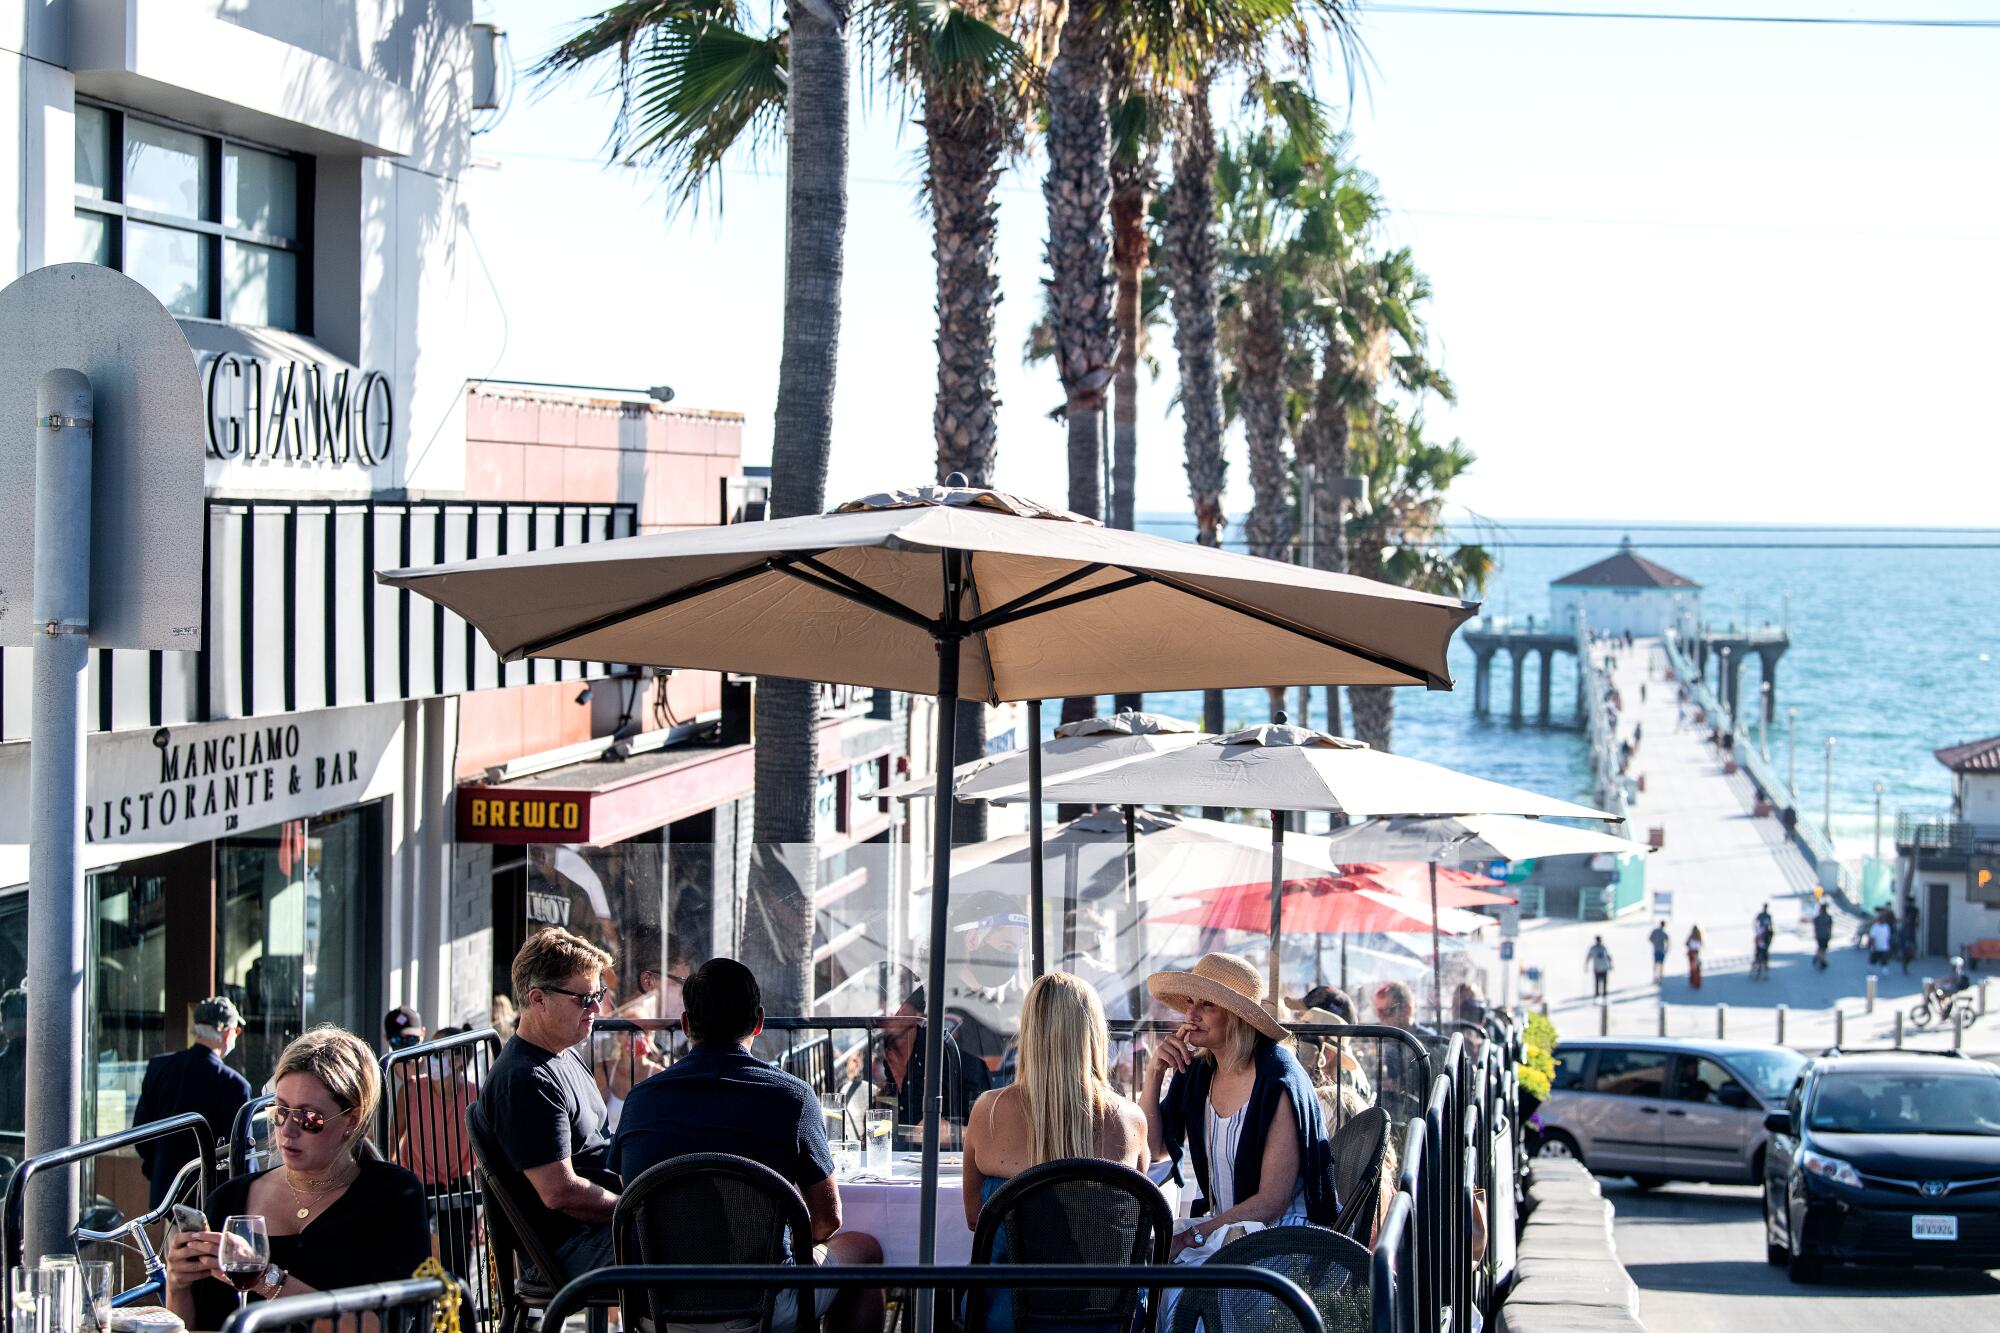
889, 1210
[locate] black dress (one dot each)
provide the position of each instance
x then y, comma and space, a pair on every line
378, 1231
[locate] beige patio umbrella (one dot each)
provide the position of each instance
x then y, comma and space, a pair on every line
957, 592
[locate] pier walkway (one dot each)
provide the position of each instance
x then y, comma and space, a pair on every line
1720, 863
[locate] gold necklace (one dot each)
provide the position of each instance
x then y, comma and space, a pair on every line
327, 1185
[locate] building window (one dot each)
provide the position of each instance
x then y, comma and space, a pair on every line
213, 227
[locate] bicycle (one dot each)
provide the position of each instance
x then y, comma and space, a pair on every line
132, 1235
1943, 1005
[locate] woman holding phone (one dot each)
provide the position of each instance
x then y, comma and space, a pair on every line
333, 1217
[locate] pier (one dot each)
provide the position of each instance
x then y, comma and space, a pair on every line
1724, 649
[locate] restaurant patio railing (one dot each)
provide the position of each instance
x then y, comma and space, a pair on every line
1457, 1137
399, 1307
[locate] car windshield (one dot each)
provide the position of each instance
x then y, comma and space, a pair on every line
1906, 1103
1769, 1073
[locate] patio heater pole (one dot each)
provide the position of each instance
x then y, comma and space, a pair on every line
949, 632
1277, 890
1437, 971
1037, 927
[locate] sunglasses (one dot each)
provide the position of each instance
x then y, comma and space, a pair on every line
585, 999
312, 1122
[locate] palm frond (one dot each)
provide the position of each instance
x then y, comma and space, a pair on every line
705, 88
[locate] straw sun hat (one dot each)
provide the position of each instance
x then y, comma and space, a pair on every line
1222, 979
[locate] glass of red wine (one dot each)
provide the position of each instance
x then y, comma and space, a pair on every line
244, 1254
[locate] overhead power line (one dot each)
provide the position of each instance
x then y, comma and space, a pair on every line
1650, 16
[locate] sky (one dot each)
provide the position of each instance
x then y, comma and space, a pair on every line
1684, 270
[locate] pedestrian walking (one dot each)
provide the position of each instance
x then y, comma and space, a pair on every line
1880, 937
1660, 941
1642, 690
1599, 959
1822, 935
195, 1079
1761, 932
1694, 957
1909, 933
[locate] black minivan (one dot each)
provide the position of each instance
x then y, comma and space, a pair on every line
1888, 1157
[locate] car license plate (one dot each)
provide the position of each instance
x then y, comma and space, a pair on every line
1933, 1228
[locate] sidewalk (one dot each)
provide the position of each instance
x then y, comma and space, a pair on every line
1721, 864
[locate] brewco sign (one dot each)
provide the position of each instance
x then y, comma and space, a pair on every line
490, 814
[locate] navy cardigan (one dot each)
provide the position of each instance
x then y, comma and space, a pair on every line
1279, 1074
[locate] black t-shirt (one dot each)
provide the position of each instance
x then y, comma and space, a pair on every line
724, 1099
378, 1231
543, 1107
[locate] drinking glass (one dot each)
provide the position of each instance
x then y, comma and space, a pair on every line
846, 1157
244, 1254
880, 1126
59, 1295
835, 1108
97, 1293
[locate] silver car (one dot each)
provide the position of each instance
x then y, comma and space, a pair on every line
1665, 1109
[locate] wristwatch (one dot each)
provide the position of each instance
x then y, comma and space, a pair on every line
273, 1283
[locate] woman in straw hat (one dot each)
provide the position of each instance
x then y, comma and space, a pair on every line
1241, 1103
1060, 1104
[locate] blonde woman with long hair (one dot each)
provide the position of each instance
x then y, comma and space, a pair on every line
1060, 1104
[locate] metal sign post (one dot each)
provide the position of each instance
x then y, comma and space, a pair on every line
101, 534
64, 425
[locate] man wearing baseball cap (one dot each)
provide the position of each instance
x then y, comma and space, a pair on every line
403, 1027
191, 1080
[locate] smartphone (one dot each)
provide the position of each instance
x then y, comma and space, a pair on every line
188, 1218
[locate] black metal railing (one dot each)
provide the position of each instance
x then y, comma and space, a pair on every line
1936, 832
631, 1278
399, 1307
250, 1137
13, 1238
426, 1089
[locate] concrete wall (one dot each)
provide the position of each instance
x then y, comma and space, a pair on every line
1570, 1277
1979, 799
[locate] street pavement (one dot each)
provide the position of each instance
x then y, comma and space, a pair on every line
1721, 863
1696, 1253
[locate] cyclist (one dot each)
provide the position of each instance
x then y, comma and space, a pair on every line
1950, 984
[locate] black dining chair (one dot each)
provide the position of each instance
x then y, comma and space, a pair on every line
1359, 1147
1075, 1210
1330, 1268
512, 1235
715, 1210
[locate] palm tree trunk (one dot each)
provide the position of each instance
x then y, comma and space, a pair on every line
1324, 442
1374, 705
1262, 394
1191, 257
784, 864
965, 140
1131, 188
1078, 192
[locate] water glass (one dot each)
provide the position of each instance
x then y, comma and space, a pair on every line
880, 1126
98, 1276
50, 1295
846, 1157
834, 1106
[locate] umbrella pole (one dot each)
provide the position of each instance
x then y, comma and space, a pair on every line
1277, 892
1037, 927
1437, 973
948, 637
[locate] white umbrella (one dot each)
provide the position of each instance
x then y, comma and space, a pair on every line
954, 591
1474, 837
1281, 768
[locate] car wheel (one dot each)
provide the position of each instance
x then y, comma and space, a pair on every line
1558, 1146
1775, 1254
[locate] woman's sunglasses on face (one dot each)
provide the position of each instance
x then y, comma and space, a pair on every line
312, 1122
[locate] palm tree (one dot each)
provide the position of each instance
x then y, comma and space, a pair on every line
1399, 535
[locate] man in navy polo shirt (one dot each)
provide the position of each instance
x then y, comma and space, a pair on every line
720, 1098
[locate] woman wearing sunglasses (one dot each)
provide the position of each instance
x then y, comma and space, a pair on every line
334, 1217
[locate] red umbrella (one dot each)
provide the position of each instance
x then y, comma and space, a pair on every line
1411, 879
1320, 907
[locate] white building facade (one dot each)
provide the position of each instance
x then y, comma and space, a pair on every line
1627, 594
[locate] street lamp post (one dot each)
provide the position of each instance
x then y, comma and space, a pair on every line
1826, 806
1724, 695
1878, 821
1764, 720
1792, 752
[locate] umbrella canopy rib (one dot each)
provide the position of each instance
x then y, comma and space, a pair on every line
660, 603
1429, 679
1003, 612
828, 579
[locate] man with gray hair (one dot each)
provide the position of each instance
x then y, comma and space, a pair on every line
191, 1080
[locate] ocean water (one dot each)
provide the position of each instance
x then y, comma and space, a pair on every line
1895, 653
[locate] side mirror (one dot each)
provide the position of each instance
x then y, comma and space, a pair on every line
1735, 1096
1778, 1122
